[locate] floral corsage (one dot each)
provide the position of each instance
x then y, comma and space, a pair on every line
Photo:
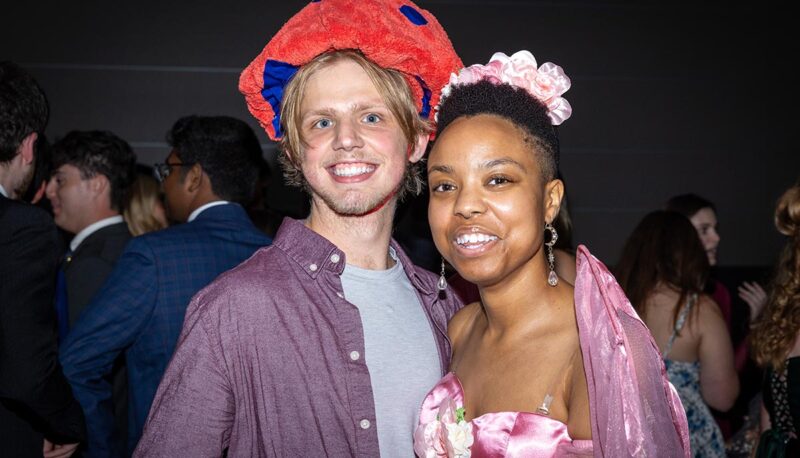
449, 436
546, 83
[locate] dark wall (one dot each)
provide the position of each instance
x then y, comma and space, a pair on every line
667, 97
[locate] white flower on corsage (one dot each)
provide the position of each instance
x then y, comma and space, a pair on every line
547, 83
448, 436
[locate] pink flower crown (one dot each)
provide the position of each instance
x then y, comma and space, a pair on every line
546, 83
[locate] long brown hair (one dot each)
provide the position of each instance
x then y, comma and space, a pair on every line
663, 249
777, 329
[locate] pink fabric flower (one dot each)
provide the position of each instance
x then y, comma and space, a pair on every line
547, 83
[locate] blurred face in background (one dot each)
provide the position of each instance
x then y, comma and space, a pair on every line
705, 221
71, 197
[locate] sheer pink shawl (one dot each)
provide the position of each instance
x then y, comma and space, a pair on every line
635, 411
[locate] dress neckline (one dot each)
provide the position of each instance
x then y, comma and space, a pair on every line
460, 398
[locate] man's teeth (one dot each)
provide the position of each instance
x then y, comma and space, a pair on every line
350, 171
474, 238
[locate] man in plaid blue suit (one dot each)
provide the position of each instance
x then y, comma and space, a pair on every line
139, 311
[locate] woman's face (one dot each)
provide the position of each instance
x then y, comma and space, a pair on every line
488, 204
705, 221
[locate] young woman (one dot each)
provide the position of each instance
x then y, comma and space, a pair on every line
663, 269
776, 339
538, 368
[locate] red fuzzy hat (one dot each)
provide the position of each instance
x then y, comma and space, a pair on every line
391, 33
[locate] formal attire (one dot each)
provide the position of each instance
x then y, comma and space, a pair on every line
782, 400
35, 398
93, 253
706, 437
140, 309
634, 411
273, 360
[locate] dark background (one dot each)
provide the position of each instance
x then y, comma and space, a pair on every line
668, 97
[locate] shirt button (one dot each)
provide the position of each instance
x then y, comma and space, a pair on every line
312, 267
354, 355
334, 258
340, 294
364, 424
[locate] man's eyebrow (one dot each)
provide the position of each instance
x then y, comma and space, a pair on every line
318, 112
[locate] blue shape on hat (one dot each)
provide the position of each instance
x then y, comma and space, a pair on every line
413, 15
426, 98
276, 75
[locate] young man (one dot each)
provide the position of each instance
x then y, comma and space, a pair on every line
37, 411
92, 175
325, 343
140, 309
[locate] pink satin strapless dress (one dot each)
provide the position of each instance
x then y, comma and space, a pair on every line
506, 434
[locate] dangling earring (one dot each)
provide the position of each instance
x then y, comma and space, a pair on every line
442, 283
552, 278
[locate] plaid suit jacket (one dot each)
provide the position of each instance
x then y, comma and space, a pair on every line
140, 311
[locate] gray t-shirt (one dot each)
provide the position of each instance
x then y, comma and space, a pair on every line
402, 357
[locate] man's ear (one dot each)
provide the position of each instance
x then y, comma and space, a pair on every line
99, 184
194, 178
553, 193
27, 147
417, 150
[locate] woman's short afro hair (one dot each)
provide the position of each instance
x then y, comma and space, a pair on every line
512, 103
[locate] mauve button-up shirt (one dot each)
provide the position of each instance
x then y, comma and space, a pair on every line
270, 360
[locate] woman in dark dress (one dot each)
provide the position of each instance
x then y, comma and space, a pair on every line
776, 340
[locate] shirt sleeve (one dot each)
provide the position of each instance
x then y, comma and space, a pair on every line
193, 411
30, 376
108, 326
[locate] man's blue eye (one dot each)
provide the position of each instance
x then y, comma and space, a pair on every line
372, 118
322, 123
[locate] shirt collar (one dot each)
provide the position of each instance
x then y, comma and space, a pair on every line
3, 191
91, 229
205, 207
314, 253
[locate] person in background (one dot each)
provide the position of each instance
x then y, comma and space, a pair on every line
703, 215
663, 270
775, 339
89, 189
38, 413
145, 211
140, 309
44, 164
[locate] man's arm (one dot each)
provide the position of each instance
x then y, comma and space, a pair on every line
31, 380
109, 325
193, 411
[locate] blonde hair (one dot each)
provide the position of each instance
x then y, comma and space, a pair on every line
139, 214
392, 87
777, 329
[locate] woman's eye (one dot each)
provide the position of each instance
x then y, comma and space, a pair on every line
443, 187
323, 123
372, 118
